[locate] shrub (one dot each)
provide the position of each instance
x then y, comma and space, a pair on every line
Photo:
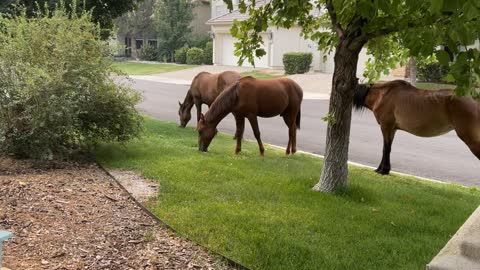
194, 56
297, 62
208, 53
432, 72
181, 55
148, 53
58, 99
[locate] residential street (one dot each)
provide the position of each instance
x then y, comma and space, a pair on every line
444, 158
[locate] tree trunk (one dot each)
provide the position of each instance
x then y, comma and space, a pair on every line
335, 167
413, 71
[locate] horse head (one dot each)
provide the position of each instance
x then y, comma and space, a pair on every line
184, 114
206, 133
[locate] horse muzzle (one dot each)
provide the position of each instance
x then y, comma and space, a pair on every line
202, 148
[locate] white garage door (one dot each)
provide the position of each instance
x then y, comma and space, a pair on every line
229, 59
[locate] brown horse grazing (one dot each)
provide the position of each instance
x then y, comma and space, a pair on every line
249, 98
397, 105
204, 89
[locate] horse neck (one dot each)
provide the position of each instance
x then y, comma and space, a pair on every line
188, 101
222, 106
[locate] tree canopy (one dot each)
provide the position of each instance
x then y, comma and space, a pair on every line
172, 23
103, 11
391, 30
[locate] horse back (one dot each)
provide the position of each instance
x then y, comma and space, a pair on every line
268, 98
423, 113
226, 79
204, 87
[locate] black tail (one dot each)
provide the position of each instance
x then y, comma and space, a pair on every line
361, 92
298, 119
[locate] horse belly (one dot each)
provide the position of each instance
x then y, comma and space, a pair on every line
425, 126
271, 109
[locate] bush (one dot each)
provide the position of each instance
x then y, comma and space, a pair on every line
58, 99
194, 56
432, 72
208, 53
148, 53
297, 63
181, 55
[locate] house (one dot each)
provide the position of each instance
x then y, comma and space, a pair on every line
136, 28
277, 41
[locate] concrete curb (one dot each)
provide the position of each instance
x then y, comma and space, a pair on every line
462, 252
160, 79
356, 164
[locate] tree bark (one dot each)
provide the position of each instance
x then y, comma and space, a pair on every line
335, 167
413, 71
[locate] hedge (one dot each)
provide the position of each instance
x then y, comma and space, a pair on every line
433, 72
194, 56
297, 62
181, 55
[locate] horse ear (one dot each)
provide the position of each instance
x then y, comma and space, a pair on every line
179, 103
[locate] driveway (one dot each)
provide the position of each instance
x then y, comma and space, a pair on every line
315, 85
444, 158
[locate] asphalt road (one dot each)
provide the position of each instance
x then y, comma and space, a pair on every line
443, 158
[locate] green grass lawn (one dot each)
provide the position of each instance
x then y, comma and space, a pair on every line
261, 74
132, 68
261, 212
434, 86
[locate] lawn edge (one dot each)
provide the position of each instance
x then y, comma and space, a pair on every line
161, 222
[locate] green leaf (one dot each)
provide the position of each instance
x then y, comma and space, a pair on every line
443, 57
449, 78
436, 5
260, 52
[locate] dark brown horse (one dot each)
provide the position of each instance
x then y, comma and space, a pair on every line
397, 105
204, 89
249, 98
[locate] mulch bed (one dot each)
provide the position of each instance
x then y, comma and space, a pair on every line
74, 216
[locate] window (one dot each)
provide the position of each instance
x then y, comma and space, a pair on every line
152, 42
138, 43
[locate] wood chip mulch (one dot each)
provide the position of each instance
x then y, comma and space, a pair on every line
74, 216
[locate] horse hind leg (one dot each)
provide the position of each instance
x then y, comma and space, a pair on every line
471, 139
290, 120
287, 121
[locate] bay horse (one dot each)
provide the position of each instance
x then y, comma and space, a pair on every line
204, 89
397, 105
249, 98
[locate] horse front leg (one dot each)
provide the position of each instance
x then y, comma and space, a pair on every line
198, 105
256, 131
235, 136
240, 122
388, 135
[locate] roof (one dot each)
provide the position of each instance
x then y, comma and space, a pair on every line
236, 15
232, 16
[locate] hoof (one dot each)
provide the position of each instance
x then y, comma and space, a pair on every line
382, 171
